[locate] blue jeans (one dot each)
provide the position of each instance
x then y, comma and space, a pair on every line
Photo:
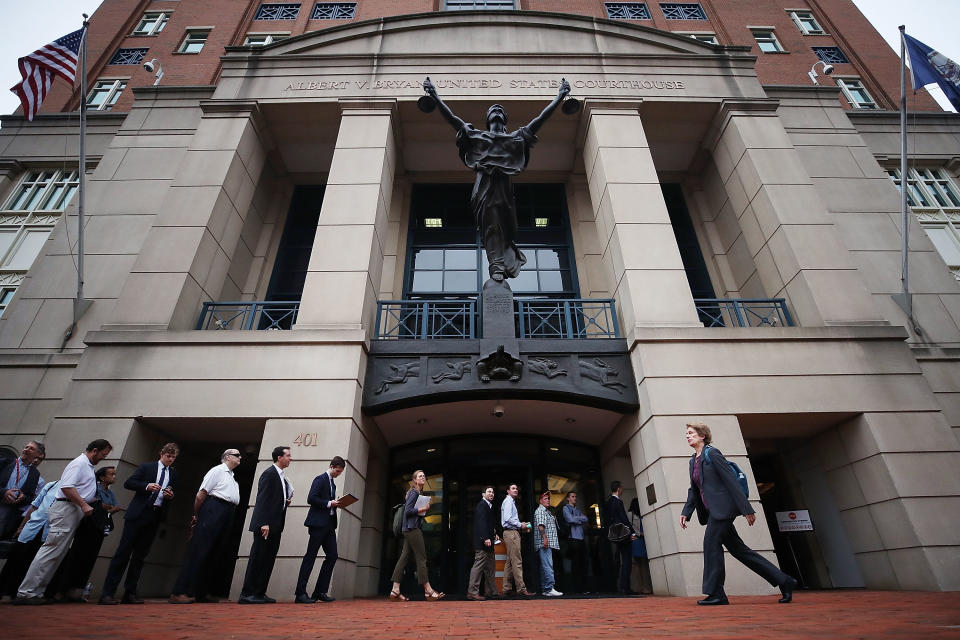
546, 569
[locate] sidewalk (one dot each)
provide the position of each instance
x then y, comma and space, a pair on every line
835, 615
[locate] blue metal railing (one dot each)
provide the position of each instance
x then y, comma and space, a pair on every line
426, 319
567, 319
247, 316
743, 312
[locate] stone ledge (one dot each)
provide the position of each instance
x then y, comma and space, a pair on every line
768, 334
302, 336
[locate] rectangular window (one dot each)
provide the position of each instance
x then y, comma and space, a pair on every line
151, 23
710, 38
627, 11
807, 24
682, 11
277, 12
334, 11
767, 40
935, 200
856, 94
263, 39
194, 40
128, 56
468, 5
26, 219
831, 55
105, 94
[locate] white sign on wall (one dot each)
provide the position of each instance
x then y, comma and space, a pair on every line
798, 520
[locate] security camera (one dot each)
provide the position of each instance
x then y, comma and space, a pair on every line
498, 411
156, 68
149, 66
827, 69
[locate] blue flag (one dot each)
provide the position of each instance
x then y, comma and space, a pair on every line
928, 66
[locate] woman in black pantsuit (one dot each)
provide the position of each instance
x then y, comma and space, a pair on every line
413, 542
716, 495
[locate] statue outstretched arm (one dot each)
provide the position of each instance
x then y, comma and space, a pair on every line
455, 121
537, 122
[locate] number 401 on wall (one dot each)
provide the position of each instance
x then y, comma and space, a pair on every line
306, 440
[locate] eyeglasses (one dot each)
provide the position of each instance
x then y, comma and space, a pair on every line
234, 454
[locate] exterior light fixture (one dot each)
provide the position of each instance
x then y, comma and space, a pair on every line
827, 70
156, 68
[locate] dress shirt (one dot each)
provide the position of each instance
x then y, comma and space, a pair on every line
158, 501
79, 475
18, 475
287, 489
38, 519
509, 518
220, 483
575, 520
543, 518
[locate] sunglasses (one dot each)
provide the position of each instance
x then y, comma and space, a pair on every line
237, 455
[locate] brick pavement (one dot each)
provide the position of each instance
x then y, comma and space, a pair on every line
837, 615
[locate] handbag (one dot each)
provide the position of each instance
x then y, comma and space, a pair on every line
618, 532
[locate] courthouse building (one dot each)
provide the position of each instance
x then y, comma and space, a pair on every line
280, 251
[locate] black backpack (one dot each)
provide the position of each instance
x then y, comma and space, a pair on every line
397, 520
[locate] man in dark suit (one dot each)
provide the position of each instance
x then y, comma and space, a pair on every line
615, 512
18, 487
322, 523
484, 537
269, 513
153, 484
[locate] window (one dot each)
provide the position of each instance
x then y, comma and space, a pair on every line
767, 40
935, 200
710, 38
128, 56
682, 11
831, 55
856, 94
194, 40
263, 39
277, 12
627, 11
26, 219
105, 94
333, 11
807, 24
151, 23
467, 5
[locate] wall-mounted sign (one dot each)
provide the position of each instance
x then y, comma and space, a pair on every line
798, 520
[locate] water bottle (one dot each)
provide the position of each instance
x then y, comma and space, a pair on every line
86, 591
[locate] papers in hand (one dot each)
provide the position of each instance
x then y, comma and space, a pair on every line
423, 502
347, 500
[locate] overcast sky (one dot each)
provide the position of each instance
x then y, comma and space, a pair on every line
29, 24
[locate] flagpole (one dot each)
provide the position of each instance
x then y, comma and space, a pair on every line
83, 163
906, 300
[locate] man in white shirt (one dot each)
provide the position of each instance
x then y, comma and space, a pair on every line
213, 509
77, 489
512, 528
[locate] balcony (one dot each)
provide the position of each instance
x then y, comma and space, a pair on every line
247, 316
743, 312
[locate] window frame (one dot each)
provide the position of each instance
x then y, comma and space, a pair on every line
756, 31
280, 6
186, 41
925, 184
843, 83
795, 17
126, 50
700, 36
626, 8
841, 58
337, 8
117, 86
160, 23
479, 5
684, 7
271, 38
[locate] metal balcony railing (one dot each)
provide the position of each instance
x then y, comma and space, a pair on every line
567, 319
248, 316
426, 319
743, 312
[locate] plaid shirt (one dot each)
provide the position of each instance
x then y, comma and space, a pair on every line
543, 518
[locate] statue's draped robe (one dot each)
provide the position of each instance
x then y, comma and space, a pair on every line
495, 157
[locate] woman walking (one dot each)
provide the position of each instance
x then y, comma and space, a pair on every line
413, 542
717, 496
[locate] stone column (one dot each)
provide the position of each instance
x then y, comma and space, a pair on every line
786, 227
639, 249
343, 277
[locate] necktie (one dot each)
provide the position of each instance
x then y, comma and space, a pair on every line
286, 491
157, 499
333, 493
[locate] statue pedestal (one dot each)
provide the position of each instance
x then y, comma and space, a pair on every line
498, 323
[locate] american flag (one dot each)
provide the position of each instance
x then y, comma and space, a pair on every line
60, 57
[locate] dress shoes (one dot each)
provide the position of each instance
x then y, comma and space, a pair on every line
108, 600
628, 592
526, 594
322, 597
208, 600
130, 598
787, 590
36, 600
713, 600
180, 598
304, 599
267, 599
251, 600
477, 597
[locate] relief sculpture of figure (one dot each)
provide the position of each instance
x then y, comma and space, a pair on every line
496, 154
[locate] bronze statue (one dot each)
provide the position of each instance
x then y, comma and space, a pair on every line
496, 155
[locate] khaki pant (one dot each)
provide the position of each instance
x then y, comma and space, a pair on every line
484, 569
513, 567
412, 543
64, 517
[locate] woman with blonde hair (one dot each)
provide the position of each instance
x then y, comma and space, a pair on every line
716, 494
413, 542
